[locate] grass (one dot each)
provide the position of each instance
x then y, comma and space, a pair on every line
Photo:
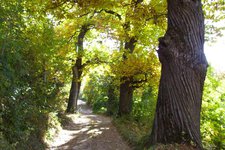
134, 132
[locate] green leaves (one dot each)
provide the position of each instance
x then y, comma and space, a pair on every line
38, 46
213, 110
28, 72
214, 12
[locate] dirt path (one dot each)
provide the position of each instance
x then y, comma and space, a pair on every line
88, 131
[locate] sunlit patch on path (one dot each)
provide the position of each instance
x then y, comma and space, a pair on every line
87, 131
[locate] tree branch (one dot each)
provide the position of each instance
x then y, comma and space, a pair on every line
72, 36
113, 13
135, 84
57, 4
93, 61
84, 15
155, 17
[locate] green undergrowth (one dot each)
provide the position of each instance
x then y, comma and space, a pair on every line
54, 126
37, 137
172, 147
132, 131
136, 134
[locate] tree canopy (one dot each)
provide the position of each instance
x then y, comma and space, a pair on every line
95, 50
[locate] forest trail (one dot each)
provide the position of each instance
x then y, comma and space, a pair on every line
88, 131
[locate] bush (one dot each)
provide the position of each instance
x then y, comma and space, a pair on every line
27, 119
101, 93
213, 112
144, 104
133, 131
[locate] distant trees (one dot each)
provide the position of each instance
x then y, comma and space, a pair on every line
122, 21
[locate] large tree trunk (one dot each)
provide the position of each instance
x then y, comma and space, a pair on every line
126, 89
184, 66
77, 70
75, 87
126, 97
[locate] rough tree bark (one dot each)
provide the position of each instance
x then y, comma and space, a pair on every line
184, 66
77, 70
75, 86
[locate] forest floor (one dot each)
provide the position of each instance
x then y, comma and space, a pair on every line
88, 131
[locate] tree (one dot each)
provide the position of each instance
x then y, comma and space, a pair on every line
122, 21
126, 89
181, 53
78, 67
135, 17
87, 14
77, 70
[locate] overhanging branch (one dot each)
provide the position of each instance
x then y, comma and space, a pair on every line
113, 13
93, 61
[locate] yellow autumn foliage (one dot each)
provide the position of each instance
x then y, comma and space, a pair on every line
139, 64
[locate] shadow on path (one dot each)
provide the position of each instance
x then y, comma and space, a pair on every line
88, 131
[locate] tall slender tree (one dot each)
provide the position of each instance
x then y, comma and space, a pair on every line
126, 89
77, 70
184, 66
138, 14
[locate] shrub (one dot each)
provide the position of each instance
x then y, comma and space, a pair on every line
213, 112
101, 93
